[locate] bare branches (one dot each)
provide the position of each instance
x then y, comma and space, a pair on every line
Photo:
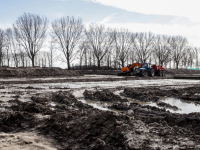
2, 37
143, 45
99, 39
178, 45
162, 48
67, 31
122, 44
96, 46
30, 32
51, 53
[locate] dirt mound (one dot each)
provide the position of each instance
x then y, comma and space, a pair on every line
36, 72
30, 107
101, 72
152, 94
104, 95
162, 104
13, 121
182, 71
74, 130
115, 72
142, 94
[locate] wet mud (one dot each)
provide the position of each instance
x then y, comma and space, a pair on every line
105, 95
162, 104
70, 124
147, 94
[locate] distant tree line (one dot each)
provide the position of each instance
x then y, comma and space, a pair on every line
95, 45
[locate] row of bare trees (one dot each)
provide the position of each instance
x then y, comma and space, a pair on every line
121, 46
94, 45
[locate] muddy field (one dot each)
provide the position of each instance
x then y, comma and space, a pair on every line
99, 112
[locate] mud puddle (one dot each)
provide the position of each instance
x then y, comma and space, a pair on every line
98, 105
185, 107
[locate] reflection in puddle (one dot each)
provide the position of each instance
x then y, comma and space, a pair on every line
53, 104
183, 106
78, 93
25, 100
135, 101
2, 109
95, 104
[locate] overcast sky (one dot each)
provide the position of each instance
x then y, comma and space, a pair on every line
171, 17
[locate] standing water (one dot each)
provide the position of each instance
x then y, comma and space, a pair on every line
184, 106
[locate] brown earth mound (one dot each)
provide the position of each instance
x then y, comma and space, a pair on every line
152, 94
36, 72
115, 72
142, 94
104, 95
39, 72
182, 71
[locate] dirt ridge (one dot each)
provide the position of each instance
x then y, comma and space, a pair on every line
36, 72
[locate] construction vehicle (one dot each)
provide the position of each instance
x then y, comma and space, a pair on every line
132, 69
159, 70
150, 70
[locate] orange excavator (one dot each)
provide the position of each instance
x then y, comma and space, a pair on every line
132, 69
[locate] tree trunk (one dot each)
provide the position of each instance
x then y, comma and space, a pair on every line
122, 63
99, 65
68, 60
33, 62
177, 65
80, 65
68, 64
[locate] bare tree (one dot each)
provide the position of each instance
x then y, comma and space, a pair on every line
51, 54
8, 44
191, 55
143, 45
44, 58
99, 39
83, 49
178, 46
2, 38
108, 59
197, 55
122, 44
90, 54
133, 57
30, 32
22, 56
15, 48
162, 49
67, 31
15, 54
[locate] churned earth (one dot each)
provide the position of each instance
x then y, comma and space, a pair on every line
99, 112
